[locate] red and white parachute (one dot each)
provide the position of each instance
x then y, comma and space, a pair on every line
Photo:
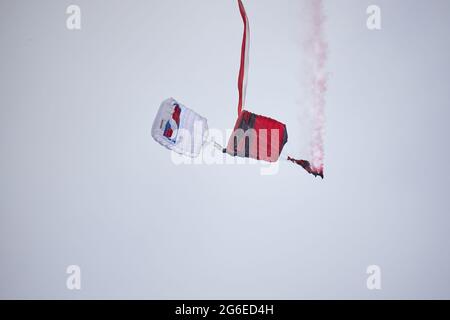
254, 136
179, 128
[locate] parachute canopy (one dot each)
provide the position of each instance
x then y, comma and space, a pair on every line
257, 137
179, 128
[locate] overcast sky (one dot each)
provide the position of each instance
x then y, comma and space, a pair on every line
83, 183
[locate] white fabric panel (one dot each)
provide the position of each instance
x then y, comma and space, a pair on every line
188, 136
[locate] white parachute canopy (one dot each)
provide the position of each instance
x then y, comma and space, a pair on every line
179, 128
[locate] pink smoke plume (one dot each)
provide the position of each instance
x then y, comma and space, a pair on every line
317, 48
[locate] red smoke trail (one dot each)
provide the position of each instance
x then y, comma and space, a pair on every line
318, 49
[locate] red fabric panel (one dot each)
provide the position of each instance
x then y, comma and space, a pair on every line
264, 127
261, 144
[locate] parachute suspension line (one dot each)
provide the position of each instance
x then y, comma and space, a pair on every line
218, 146
243, 70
